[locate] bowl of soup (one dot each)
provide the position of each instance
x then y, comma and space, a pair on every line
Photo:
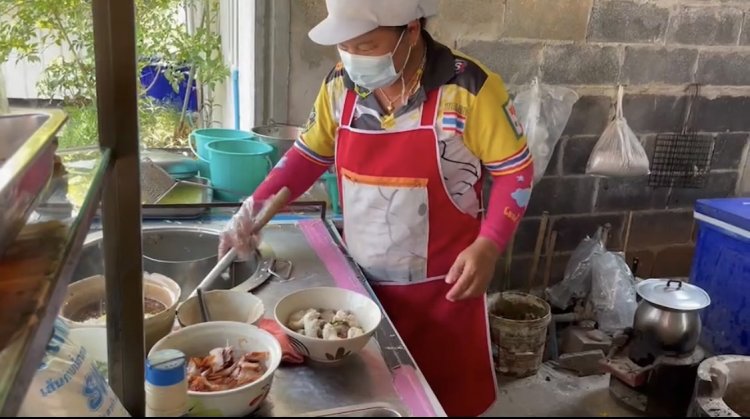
85, 305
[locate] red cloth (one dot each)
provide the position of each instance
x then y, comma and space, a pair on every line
288, 354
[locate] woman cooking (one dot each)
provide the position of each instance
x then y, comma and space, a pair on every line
411, 126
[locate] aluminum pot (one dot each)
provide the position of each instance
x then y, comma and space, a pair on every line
668, 317
189, 254
281, 136
185, 254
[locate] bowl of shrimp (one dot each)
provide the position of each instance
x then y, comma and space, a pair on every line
327, 324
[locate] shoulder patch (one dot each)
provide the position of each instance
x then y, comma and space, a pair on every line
454, 122
460, 65
512, 115
468, 75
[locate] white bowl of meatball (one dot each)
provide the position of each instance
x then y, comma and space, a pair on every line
327, 324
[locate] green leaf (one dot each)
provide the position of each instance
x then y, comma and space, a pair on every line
29, 27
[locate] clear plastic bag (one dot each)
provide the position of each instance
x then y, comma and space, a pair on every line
67, 383
544, 112
613, 295
576, 283
618, 153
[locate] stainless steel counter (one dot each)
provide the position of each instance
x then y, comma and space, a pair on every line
364, 378
362, 385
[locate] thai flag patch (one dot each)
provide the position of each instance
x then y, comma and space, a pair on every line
512, 115
454, 122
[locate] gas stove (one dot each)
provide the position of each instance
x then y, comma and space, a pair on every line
660, 384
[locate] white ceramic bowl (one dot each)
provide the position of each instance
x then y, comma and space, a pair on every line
223, 305
155, 286
198, 340
365, 310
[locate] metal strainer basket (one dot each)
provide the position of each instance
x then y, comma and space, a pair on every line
156, 183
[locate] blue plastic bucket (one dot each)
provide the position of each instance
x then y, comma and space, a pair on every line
205, 136
238, 165
332, 186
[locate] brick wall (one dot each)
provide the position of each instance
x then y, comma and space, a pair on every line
654, 47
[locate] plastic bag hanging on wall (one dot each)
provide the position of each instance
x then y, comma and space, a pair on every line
618, 153
544, 111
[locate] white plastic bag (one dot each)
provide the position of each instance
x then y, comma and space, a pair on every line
544, 112
618, 153
613, 293
576, 283
67, 384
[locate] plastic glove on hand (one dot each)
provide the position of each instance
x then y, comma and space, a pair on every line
238, 233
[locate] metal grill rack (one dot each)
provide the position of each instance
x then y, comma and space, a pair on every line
682, 160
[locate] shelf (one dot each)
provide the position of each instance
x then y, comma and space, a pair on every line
34, 275
27, 150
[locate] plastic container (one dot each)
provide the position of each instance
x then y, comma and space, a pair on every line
166, 384
160, 88
721, 267
238, 165
518, 323
203, 137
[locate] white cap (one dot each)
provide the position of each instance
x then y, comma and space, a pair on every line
348, 19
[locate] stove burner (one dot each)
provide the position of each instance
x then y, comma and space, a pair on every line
662, 387
644, 350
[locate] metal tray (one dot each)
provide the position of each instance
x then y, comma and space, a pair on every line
55, 205
27, 153
161, 211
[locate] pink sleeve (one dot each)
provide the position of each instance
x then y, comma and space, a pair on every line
509, 197
295, 171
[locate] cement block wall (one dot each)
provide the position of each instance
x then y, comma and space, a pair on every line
653, 47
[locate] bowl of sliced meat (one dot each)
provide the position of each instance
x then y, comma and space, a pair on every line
230, 366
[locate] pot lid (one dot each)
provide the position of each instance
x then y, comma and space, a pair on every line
673, 294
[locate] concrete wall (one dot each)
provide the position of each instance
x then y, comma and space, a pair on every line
654, 47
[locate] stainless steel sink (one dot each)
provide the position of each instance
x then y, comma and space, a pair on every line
359, 411
27, 155
184, 254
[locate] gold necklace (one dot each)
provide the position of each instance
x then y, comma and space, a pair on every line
414, 85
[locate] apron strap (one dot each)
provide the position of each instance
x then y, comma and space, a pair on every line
430, 108
347, 114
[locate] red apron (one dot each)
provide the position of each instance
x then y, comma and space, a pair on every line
405, 231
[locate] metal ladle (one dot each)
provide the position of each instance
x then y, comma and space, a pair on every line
271, 207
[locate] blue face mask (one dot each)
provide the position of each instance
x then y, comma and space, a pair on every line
373, 72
